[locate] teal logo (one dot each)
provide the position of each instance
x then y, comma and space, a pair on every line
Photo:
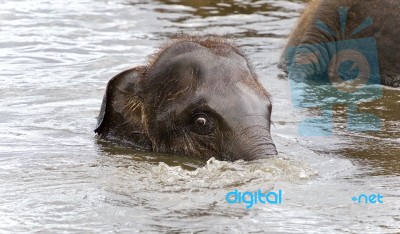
251, 198
342, 72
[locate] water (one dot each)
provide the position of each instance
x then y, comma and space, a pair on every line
55, 175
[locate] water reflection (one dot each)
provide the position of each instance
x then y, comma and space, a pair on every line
378, 149
209, 8
228, 17
131, 155
368, 128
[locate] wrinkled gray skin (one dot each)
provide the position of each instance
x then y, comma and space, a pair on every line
385, 15
197, 98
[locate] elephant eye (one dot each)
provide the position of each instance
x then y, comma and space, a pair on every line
200, 121
202, 124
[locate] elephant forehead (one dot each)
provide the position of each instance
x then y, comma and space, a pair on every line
236, 100
202, 71
224, 87
224, 83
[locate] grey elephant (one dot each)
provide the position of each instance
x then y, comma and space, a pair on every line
198, 97
332, 32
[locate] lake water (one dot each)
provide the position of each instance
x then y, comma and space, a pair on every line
55, 175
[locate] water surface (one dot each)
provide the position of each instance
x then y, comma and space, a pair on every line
55, 175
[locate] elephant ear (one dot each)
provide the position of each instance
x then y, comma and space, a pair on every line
121, 112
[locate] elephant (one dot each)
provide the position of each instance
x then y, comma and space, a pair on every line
198, 96
330, 33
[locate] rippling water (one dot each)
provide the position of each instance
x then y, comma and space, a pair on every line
56, 58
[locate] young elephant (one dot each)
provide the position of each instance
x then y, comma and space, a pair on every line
334, 32
197, 97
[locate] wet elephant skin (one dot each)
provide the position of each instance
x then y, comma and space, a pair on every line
197, 97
